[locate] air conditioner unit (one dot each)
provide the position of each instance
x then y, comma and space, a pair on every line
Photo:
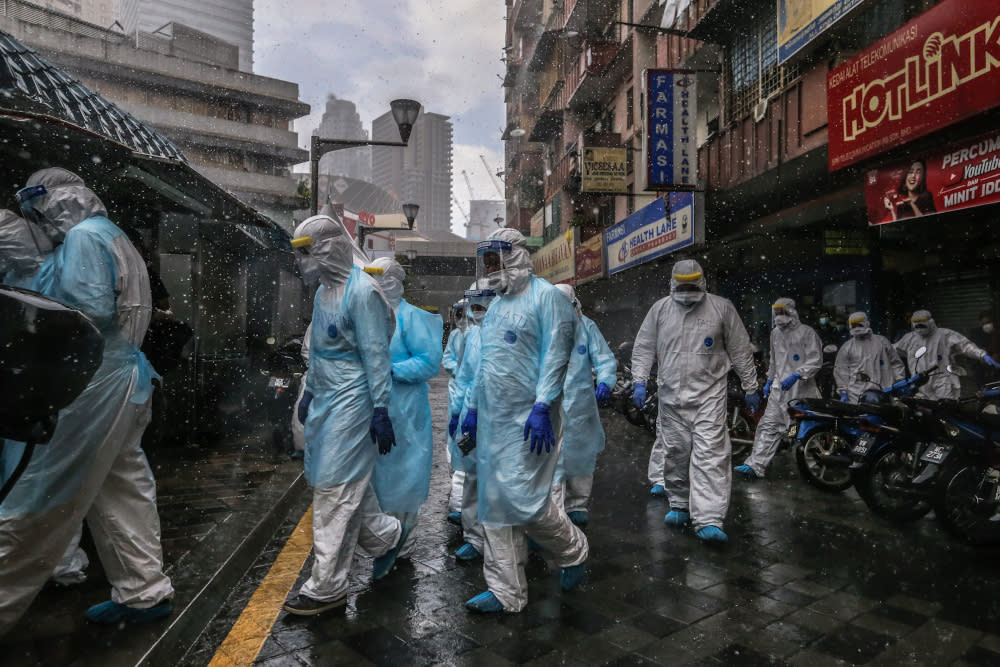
759, 110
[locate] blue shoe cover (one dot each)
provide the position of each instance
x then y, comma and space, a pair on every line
571, 576
677, 518
382, 565
746, 470
112, 613
455, 518
658, 490
711, 534
467, 552
484, 603
580, 517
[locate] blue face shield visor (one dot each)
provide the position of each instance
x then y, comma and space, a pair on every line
490, 258
26, 199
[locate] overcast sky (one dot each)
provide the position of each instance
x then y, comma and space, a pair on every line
445, 54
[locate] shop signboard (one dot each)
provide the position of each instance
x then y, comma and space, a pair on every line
671, 153
938, 69
652, 232
590, 259
801, 21
555, 261
961, 175
604, 170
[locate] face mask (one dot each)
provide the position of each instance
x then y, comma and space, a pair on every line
988, 328
309, 269
923, 330
498, 281
476, 318
688, 298
823, 320
782, 321
858, 332
393, 291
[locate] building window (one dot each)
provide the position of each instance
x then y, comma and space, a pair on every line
629, 111
752, 69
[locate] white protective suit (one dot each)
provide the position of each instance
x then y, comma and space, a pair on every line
944, 347
349, 376
795, 348
23, 250
451, 361
696, 345
472, 530
583, 433
527, 339
94, 465
865, 353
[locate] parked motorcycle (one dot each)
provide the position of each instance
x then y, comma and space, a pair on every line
284, 368
966, 496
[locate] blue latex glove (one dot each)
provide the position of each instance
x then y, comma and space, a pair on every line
307, 397
753, 402
470, 423
990, 361
539, 427
790, 381
381, 431
639, 395
603, 393
843, 397
767, 388
452, 426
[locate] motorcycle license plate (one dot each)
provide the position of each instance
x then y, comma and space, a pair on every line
278, 383
936, 454
793, 430
863, 444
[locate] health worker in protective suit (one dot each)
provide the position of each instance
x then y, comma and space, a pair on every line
451, 361
94, 465
583, 434
23, 250
944, 346
796, 357
478, 300
696, 337
527, 339
345, 409
866, 361
298, 428
402, 478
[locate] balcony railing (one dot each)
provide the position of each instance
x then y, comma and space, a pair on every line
565, 176
584, 82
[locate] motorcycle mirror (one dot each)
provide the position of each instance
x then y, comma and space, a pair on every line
830, 349
921, 351
271, 340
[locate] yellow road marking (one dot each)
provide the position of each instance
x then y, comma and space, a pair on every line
245, 640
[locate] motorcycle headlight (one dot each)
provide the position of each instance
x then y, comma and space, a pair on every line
950, 429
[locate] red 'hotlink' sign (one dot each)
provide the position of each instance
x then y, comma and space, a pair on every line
951, 178
938, 69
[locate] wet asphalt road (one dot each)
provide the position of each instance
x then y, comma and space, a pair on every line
807, 578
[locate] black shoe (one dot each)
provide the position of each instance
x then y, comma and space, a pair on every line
303, 605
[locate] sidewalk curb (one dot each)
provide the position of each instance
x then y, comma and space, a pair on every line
202, 604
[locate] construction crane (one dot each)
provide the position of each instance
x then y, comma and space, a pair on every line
468, 220
468, 184
489, 172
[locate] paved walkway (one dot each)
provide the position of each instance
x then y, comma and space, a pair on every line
807, 578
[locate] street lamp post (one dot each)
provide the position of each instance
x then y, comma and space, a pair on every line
409, 210
404, 112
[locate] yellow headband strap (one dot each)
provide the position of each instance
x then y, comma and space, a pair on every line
687, 277
919, 319
302, 242
857, 320
374, 270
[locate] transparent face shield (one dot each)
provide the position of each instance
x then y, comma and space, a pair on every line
479, 302
490, 267
27, 198
920, 325
858, 326
309, 268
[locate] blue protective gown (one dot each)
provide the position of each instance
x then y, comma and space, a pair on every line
349, 376
80, 274
527, 339
465, 381
583, 434
402, 477
451, 361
